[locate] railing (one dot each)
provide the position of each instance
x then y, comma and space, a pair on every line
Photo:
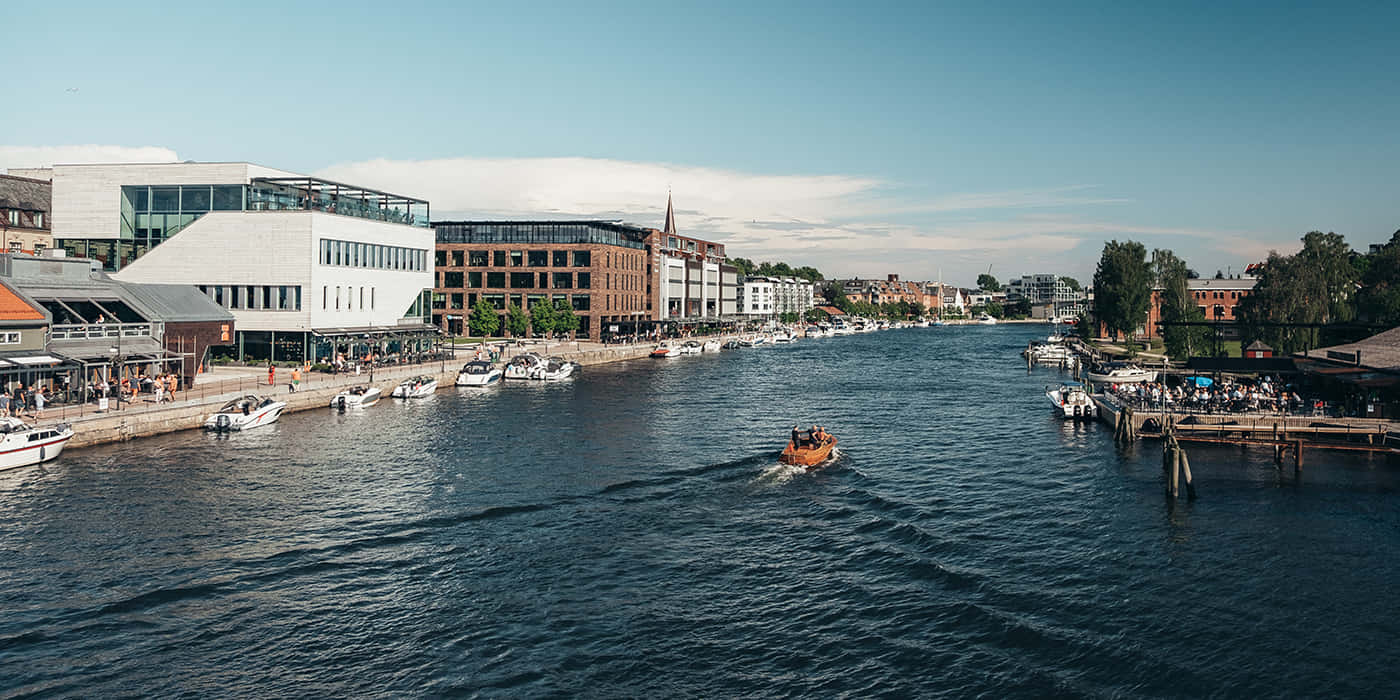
101, 331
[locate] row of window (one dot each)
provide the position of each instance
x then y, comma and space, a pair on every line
9, 338
351, 299
254, 297
31, 220
372, 256
1218, 295
579, 302
514, 258
518, 280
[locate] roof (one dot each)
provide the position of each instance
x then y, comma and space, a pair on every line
832, 311
24, 193
1380, 351
72, 279
670, 226
1258, 345
175, 302
14, 306
1227, 283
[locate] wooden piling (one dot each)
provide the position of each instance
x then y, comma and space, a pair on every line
1298, 455
1186, 474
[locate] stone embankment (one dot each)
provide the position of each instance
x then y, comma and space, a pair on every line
192, 407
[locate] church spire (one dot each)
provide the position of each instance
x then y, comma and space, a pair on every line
670, 216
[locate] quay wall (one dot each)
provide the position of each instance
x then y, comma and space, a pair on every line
121, 425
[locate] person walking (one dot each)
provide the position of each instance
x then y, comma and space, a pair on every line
271, 374
296, 379
39, 403
4, 405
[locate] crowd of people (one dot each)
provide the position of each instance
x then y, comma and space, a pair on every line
1268, 395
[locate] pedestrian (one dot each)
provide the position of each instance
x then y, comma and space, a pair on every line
296, 379
39, 403
271, 374
4, 405
158, 388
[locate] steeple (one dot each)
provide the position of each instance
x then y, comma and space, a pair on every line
670, 216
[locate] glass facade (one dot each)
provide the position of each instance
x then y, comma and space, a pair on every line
540, 232
372, 256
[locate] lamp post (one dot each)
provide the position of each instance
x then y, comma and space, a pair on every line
116, 352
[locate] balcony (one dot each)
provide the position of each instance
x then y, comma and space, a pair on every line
106, 331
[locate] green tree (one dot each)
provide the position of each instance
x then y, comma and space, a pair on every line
743, 265
988, 283
994, 310
1176, 305
484, 321
1122, 287
565, 320
542, 318
517, 322
1072, 283
815, 316
1315, 286
1378, 301
1021, 308
806, 272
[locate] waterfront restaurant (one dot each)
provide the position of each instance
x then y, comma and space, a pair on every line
598, 267
310, 268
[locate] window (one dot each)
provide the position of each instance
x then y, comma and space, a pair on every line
522, 280
563, 280
323, 298
478, 258
561, 258
474, 280
517, 258
284, 298
584, 280
580, 302
539, 258
440, 258
457, 258
582, 258
371, 298
16, 246
9, 338
228, 198
452, 279
498, 258
672, 242
39, 220
337, 297
544, 281
495, 280
14, 217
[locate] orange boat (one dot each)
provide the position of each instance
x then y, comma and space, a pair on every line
808, 456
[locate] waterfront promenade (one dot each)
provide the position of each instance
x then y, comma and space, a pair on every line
191, 407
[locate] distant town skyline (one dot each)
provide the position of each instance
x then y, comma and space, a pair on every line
886, 138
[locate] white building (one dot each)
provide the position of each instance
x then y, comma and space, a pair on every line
308, 267
771, 297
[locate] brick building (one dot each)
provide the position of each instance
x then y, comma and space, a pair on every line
688, 278
599, 267
1216, 298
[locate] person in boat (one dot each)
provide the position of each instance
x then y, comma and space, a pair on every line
796, 437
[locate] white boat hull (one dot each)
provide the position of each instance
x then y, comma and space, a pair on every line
1134, 377
17, 450
404, 391
492, 377
347, 399
1076, 405
267, 415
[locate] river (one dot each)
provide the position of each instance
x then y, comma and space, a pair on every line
629, 533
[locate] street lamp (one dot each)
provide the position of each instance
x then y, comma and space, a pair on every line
116, 352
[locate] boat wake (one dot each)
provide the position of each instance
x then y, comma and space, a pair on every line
778, 474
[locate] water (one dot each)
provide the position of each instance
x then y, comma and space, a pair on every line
631, 534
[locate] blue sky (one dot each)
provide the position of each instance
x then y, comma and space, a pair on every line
862, 138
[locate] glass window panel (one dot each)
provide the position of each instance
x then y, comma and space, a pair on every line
585, 280
495, 280
194, 198
582, 258
563, 280
478, 258
457, 258
539, 258
544, 281
474, 280
522, 280
228, 198
561, 258
517, 258
452, 279
165, 199
498, 258
440, 258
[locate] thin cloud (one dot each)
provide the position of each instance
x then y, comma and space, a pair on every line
48, 156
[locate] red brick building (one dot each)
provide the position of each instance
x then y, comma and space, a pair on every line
1216, 298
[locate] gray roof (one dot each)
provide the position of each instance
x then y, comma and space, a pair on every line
1380, 351
176, 302
24, 193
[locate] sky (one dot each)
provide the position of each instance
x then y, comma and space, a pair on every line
926, 139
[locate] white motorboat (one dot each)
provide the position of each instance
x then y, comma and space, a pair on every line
554, 369
814, 332
1071, 401
416, 388
710, 346
521, 365
356, 397
1047, 353
691, 347
665, 349
758, 340
732, 344
986, 320
479, 373
1119, 373
783, 336
22, 445
245, 413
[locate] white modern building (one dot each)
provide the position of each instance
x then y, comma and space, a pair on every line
693, 282
771, 297
308, 267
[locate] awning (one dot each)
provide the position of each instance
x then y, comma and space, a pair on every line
101, 351
32, 360
375, 330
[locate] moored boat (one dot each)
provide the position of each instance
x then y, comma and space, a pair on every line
710, 346
1120, 373
554, 369
244, 413
356, 397
22, 445
665, 349
691, 347
416, 388
1072, 401
479, 373
521, 365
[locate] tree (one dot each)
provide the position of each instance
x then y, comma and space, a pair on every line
815, 315
988, 283
743, 265
516, 321
1315, 286
565, 320
1021, 308
1122, 288
1072, 283
484, 321
1176, 305
542, 318
994, 309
